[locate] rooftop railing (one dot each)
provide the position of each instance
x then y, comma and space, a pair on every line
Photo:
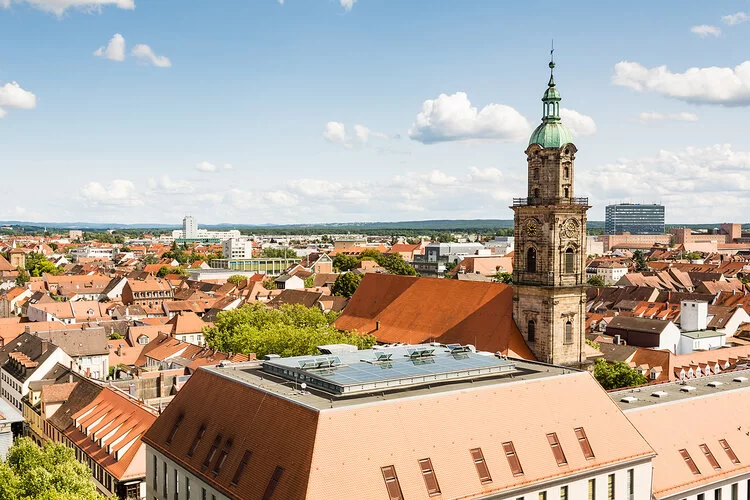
523, 202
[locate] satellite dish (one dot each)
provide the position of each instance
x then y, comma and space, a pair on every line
303, 386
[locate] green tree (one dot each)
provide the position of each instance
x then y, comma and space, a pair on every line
279, 253
22, 278
150, 259
596, 280
164, 270
639, 260
617, 375
394, 263
506, 278
269, 284
54, 246
444, 238
691, 256
343, 263
346, 284
236, 279
291, 330
309, 282
37, 264
48, 473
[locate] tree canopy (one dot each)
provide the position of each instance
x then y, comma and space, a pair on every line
394, 263
503, 277
291, 330
596, 280
236, 279
639, 260
164, 270
276, 253
48, 473
37, 264
617, 375
346, 284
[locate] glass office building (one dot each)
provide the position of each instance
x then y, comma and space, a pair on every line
634, 218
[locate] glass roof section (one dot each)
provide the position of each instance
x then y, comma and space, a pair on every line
388, 368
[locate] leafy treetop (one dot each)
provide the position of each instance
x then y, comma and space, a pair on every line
291, 330
617, 375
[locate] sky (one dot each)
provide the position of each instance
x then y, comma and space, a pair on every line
308, 111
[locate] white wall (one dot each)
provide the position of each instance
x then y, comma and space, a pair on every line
670, 338
693, 315
183, 477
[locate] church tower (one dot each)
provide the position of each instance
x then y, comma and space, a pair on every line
549, 261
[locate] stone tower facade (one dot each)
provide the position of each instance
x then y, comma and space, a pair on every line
549, 261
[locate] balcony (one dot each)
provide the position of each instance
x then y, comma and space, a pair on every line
524, 202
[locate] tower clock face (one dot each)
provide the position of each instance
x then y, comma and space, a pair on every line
570, 229
531, 228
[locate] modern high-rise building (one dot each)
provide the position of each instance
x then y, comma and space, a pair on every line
191, 233
634, 218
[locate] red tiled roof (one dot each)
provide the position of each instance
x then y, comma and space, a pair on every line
414, 310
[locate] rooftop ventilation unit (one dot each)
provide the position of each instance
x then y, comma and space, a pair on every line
319, 363
629, 399
715, 383
456, 349
382, 357
687, 388
660, 394
741, 380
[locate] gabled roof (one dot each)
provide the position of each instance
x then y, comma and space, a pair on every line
413, 310
187, 322
303, 297
643, 325
5, 265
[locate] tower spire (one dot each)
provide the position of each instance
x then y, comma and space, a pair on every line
552, 65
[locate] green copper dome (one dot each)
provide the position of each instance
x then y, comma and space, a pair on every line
551, 133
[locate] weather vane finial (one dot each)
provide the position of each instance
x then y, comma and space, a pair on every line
552, 52
552, 65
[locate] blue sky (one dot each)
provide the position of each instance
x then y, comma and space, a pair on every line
256, 111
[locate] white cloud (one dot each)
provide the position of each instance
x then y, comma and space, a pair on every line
705, 30
58, 7
335, 132
228, 166
347, 4
13, 96
453, 118
281, 198
739, 17
115, 49
696, 184
439, 178
146, 54
712, 85
118, 193
166, 185
579, 124
205, 166
649, 116
281, 2
489, 174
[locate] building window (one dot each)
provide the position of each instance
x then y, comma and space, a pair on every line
531, 260
583, 440
611, 487
566, 172
175, 428
563, 493
212, 451
481, 465
568, 332
631, 483
566, 192
187, 487
428, 474
222, 456
710, 457
570, 261
730, 453
689, 461
592, 489
717, 494
512, 456
391, 483
176, 485
531, 331
156, 472
241, 467
165, 479
542, 495
197, 440
557, 450
536, 192
735, 491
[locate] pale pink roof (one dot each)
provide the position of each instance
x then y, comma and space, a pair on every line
687, 424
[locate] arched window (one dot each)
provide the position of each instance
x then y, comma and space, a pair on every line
531, 260
566, 172
568, 332
536, 192
567, 192
570, 261
531, 331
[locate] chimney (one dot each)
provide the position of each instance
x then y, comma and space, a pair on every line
377, 325
119, 350
45, 346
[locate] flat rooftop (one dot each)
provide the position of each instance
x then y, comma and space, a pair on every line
669, 392
371, 375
